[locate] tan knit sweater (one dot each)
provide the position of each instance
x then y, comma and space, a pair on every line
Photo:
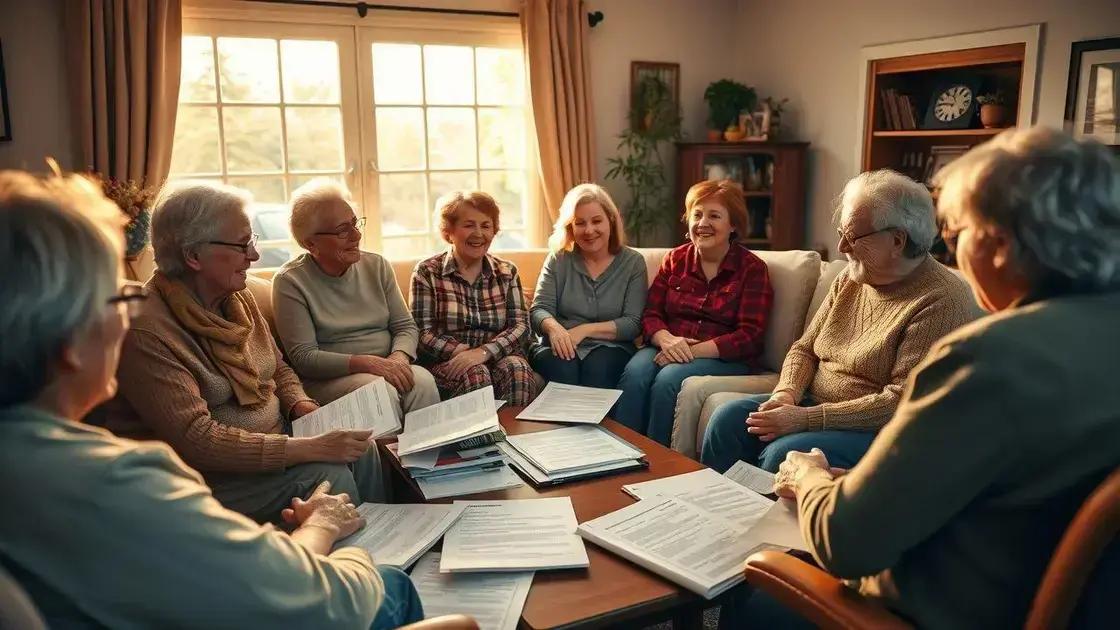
170, 390
859, 348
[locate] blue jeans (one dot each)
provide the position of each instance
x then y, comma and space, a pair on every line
649, 391
601, 368
401, 604
726, 440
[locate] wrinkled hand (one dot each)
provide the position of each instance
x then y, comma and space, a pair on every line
393, 370
302, 408
332, 512
777, 399
773, 423
792, 471
675, 350
561, 342
460, 363
341, 447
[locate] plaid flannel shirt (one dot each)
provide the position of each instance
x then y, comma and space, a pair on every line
450, 311
730, 310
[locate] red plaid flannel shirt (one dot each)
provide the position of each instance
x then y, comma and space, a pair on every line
730, 310
450, 311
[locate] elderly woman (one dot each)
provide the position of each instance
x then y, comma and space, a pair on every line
706, 312
590, 294
200, 370
842, 380
106, 532
1007, 424
470, 306
339, 312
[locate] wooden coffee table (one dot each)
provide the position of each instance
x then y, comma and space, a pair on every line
611, 590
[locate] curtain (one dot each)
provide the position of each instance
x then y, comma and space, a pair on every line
125, 55
555, 36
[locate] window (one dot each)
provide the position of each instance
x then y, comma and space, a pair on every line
401, 118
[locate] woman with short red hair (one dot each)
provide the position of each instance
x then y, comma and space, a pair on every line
705, 314
470, 307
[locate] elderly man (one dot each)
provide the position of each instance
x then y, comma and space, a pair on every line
339, 312
842, 380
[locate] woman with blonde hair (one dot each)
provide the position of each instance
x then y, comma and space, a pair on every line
589, 299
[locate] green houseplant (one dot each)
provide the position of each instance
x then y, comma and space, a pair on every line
725, 99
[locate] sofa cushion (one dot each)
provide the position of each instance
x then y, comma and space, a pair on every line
829, 271
695, 391
793, 275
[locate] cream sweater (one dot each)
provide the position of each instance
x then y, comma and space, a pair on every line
858, 350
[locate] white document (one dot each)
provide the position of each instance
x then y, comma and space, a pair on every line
398, 534
571, 448
540, 477
521, 535
495, 600
677, 541
471, 482
367, 407
751, 477
710, 491
780, 527
571, 403
449, 421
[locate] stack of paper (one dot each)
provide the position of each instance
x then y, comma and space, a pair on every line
570, 453
466, 421
472, 482
437, 462
571, 403
494, 600
368, 407
523, 535
397, 535
751, 477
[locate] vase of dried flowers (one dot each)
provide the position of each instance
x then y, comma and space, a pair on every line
135, 201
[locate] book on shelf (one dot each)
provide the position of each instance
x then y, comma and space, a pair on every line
909, 114
889, 120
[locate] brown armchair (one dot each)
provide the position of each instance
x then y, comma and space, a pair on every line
446, 622
1082, 573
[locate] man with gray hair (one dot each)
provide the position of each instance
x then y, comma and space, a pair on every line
842, 380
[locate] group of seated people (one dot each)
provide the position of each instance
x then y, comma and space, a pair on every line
917, 445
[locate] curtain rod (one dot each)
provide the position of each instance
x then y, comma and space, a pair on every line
593, 18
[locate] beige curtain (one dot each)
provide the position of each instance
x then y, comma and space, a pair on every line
555, 37
125, 57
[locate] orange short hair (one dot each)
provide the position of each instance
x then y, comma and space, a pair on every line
729, 195
448, 207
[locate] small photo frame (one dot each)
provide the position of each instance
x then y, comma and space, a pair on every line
940, 157
1093, 91
5, 119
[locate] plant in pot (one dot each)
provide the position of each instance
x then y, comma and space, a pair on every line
726, 98
993, 109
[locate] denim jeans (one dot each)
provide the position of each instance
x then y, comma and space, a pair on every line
602, 367
649, 391
401, 604
726, 440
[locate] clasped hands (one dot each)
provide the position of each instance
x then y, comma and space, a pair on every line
674, 349
334, 513
787, 481
395, 368
464, 358
778, 416
564, 341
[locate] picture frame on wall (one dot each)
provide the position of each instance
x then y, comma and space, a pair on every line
940, 157
1093, 91
5, 118
664, 75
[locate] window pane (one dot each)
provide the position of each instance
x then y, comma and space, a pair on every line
400, 138
314, 138
270, 222
510, 240
501, 138
396, 74
443, 182
196, 80
275, 255
409, 247
449, 75
196, 145
404, 209
248, 70
263, 189
295, 181
451, 138
501, 76
310, 71
508, 190
253, 139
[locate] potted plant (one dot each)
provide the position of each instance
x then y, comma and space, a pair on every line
651, 100
993, 109
135, 201
726, 98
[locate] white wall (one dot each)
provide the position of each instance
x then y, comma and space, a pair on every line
31, 36
809, 50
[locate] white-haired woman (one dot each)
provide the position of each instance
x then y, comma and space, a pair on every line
339, 312
106, 532
1008, 423
842, 380
590, 294
200, 369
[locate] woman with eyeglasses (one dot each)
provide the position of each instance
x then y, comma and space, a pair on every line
200, 369
339, 312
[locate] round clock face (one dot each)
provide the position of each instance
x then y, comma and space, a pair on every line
952, 103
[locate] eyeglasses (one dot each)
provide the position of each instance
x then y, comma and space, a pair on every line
853, 240
244, 247
131, 294
346, 231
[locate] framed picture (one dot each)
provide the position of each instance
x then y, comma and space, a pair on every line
1093, 90
650, 81
942, 156
5, 120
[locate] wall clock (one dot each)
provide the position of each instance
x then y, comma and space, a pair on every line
952, 104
